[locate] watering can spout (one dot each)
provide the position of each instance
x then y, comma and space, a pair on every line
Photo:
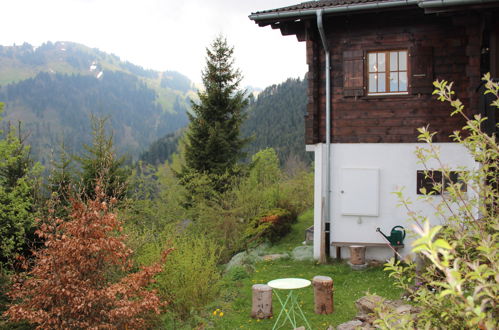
379, 231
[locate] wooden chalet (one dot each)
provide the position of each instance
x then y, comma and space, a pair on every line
371, 67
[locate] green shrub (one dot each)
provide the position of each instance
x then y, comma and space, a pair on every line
231, 219
237, 273
190, 278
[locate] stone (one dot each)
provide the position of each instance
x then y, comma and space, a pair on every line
403, 309
276, 256
241, 259
350, 325
366, 318
303, 253
357, 267
367, 304
260, 249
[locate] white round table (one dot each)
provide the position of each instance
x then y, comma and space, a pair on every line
290, 306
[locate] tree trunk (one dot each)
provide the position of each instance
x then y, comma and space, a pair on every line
323, 294
357, 255
262, 301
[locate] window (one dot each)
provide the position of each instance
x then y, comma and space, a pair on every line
387, 72
435, 183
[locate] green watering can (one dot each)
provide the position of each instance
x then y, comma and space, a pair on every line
396, 237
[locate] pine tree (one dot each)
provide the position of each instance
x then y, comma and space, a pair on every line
214, 144
61, 180
19, 193
100, 166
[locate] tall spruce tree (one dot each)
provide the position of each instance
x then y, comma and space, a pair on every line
100, 165
214, 144
19, 194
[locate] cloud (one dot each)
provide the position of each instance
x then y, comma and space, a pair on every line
160, 34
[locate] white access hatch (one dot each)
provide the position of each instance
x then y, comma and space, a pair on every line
359, 191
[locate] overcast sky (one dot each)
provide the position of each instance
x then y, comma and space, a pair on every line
161, 34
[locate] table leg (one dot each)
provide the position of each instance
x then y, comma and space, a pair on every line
290, 313
284, 310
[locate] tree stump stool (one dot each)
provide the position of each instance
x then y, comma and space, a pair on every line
323, 294
262, 301
357, 255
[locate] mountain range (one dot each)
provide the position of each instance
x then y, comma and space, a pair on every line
54, 89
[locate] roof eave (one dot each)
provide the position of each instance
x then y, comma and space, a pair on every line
303, 13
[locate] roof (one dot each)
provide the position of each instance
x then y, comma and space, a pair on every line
342, 6
317, 5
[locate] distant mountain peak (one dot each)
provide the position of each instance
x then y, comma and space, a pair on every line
55, 87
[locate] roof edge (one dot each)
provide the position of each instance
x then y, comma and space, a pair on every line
299, 13
339, 9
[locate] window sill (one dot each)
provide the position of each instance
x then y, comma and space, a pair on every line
388, 94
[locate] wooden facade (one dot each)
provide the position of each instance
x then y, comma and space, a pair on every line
455, 45
384, 57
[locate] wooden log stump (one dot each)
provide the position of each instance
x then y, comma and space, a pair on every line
357, 255
262, 301
323, 294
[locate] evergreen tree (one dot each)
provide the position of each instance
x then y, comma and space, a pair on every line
61, 180
214, 142
100, 166
19, 183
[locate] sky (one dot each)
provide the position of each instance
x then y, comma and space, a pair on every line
161, 34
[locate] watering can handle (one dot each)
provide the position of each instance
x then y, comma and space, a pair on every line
403, 230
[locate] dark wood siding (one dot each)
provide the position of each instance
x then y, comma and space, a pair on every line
444, 47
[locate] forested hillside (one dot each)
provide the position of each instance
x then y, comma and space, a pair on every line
275, 120
162, 149
55, 89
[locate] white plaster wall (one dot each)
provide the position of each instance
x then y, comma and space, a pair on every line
319, 192
397, 166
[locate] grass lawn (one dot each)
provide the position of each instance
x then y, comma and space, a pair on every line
232, 310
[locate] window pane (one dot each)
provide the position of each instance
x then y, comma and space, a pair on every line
372, 82
381, 62
403, 81
381, 82
372, 62
403, 60
394, 82
393, 61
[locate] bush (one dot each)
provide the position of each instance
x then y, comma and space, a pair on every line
271, 226
456, 284
190, 279
231, 219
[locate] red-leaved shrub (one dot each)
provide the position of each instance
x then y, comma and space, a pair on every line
69, 286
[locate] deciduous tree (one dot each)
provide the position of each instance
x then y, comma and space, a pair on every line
69, 285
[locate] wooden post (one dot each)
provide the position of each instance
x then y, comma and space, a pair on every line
262, 301
323, 294
357, 255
